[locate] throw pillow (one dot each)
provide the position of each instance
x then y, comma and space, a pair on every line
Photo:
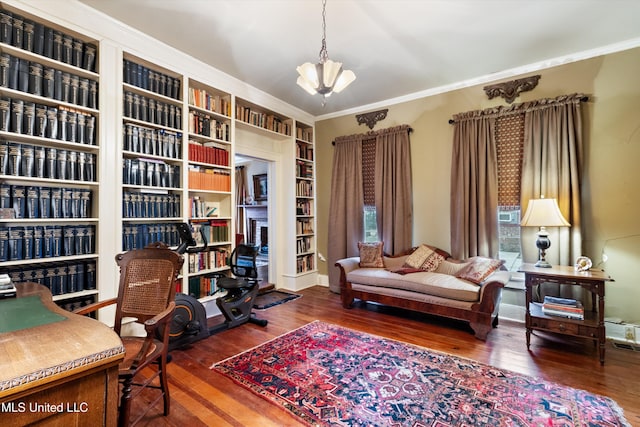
370, 254
418, 257
431, 263
451, 267
478, 269
425, 258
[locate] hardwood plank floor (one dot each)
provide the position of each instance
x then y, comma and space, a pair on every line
201, 397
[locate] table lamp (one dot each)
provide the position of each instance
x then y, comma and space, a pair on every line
543, 213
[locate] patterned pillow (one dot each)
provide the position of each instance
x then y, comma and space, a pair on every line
370, 254
425, 258
479, 268
431, 263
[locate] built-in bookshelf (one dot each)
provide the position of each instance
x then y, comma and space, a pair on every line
305, 200
152, 154
49, 152
125, 145
249, 114
209, 180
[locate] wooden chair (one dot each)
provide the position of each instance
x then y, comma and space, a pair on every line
146, 293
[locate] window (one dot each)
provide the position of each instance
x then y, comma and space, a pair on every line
370, 224
509, 236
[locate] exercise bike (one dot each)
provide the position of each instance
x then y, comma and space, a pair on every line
189, 322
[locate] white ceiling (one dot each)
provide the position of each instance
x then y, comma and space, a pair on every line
395, 47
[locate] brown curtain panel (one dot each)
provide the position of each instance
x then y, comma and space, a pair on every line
346, 205
552, 167
393, 189
474, 187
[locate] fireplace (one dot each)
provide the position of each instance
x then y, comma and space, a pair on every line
259, 234
257, 218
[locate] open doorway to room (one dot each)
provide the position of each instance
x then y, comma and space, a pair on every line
253, 213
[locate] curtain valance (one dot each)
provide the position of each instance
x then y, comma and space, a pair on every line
520, 108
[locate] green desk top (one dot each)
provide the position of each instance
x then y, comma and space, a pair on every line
25, 312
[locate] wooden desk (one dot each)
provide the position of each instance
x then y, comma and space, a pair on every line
62, 369
592, 327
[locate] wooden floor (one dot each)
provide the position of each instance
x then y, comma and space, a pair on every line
199, 396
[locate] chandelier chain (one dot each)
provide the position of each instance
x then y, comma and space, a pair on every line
324, 55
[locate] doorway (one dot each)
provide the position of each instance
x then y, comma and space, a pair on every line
253, 224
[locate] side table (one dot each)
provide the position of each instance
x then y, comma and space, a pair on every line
592, 327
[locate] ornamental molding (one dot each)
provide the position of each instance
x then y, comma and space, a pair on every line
370, 119
512, 89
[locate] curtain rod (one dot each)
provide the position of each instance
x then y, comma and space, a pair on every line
334, 142
583, 99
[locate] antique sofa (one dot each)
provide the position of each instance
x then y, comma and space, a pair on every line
427, 280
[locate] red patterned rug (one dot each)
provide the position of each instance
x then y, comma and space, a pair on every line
328, 375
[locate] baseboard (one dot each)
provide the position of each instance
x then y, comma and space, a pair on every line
323, 280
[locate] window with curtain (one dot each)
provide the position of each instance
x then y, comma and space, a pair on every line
485, 176
371, 194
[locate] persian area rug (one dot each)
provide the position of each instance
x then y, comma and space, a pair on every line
273, 298
328, 375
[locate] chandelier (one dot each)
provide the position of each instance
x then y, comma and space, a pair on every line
326, 76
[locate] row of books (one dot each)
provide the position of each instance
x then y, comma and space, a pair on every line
34, 78
304, 169
46, 162
304, 226
305, 263
145, 205
205, 125
209, 179
139, 107
263, 120
137, 236
46, 202
60, 123
563, 307
304, 207
154, 81
73, 304
155, 142
304, 188
207, 260
202, 286
151, 173
211, 155
35, 242
303, 244
304, 134
304, 151
202, 99
60, 277
215, 230
201, 208
17, 31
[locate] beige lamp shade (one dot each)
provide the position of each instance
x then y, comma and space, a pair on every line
543, 213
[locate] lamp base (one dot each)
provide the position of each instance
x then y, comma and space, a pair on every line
542, 263
543, 243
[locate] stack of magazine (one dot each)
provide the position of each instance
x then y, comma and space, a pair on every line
563, 307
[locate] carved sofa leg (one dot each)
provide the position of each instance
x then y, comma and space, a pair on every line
347, 298
481, 330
